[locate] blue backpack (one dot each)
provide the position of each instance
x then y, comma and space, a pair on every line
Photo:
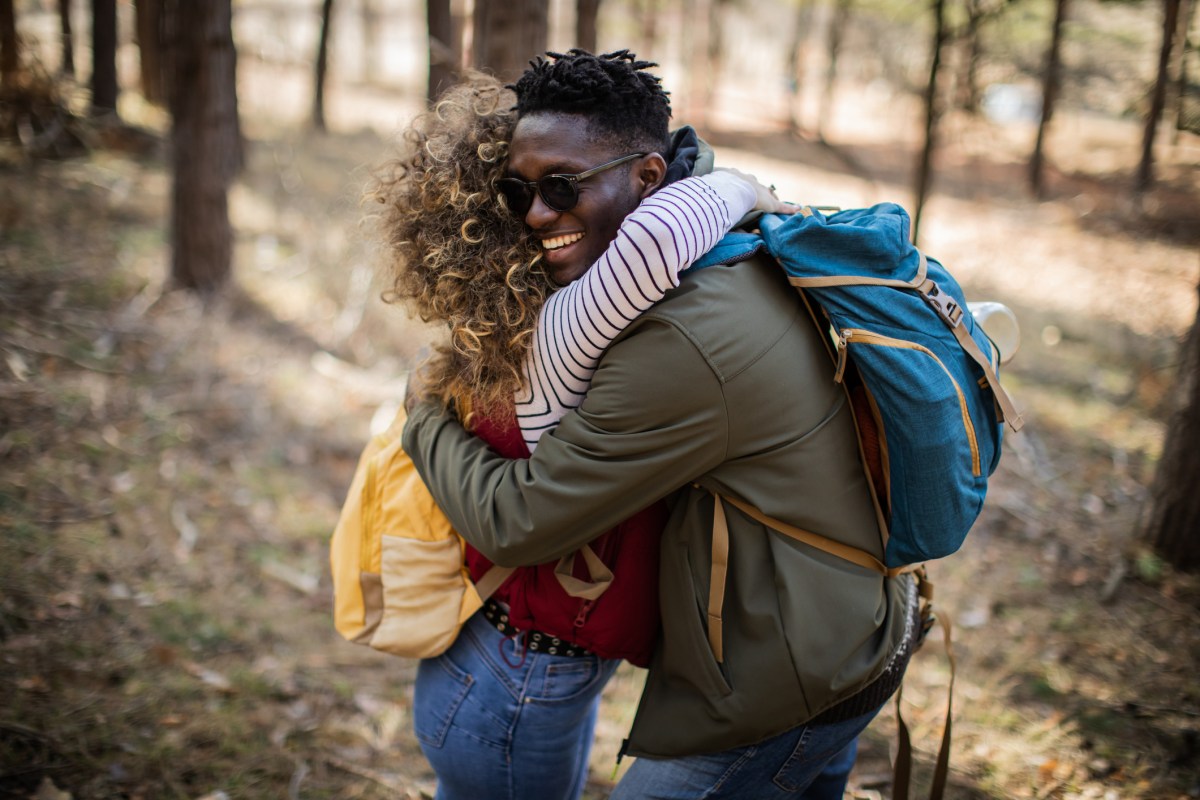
918, 368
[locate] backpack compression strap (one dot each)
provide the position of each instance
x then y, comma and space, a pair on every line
950, 312
716, 600
953, 319
720, 558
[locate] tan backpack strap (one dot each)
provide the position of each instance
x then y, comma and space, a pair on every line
844, 551
487, 585
902, 771
1009, 409
717, 577
823, 281
601, 575
942, 769
953, 320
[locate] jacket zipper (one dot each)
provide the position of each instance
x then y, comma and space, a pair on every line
584, 607
870, 338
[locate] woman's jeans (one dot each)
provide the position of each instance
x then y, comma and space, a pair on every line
496, 721
811, 762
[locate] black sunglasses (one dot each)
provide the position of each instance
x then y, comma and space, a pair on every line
559, 192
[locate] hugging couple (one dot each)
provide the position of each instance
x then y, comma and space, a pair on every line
592, 398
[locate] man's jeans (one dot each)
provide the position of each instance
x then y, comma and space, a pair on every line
805, 763
500, 723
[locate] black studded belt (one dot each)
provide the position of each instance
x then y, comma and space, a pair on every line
534, 641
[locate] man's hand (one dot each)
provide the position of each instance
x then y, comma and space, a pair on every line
766, 200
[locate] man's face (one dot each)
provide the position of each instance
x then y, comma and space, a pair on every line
573, 240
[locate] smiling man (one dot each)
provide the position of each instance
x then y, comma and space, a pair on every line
573, 177
723, 386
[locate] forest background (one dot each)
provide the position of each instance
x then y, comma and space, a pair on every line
172, 462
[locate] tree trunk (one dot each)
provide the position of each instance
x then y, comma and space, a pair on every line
1050, 85
1181, 75
66, 65
10, 60
969, 92
837, 29
104, 56
201, 78
318, 106
150, 50
1174, 517
509, 34
1158, 99
586, 12
795, 67
369, 21
706, 77
647, 23
933, 113
443, 60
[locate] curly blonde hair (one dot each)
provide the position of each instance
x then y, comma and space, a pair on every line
454, 252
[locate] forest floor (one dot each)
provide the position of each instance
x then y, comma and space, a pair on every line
170, 473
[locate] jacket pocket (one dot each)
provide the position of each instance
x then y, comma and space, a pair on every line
687, 654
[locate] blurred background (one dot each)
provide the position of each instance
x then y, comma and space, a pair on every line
194, 351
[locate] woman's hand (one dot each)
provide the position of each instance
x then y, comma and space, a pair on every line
766, 200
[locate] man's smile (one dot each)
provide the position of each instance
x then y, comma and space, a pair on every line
556, 242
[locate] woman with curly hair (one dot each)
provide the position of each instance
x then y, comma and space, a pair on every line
509, 709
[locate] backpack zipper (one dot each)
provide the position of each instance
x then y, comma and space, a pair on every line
862, 336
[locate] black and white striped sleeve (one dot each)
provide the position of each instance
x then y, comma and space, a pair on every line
662, 237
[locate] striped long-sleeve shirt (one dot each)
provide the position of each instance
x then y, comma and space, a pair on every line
662, 237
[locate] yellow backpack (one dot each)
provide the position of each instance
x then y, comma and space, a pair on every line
399, 581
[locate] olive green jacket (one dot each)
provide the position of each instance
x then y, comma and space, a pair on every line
724, 383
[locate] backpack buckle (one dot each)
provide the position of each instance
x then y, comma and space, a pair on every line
944, 304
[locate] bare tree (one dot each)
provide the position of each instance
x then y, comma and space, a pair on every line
369, 19
833, 46
716, 44
104, 57
1158, 97
795, 65
1181, 74
1174, 510
10, 60
150, 50
318, 106
66, 64
1050, 86
443, 55
202, 68
933, 113
973, 45
586, 13
508, 34
647, 22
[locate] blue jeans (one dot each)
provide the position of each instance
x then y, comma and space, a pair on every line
498, 722
811, 762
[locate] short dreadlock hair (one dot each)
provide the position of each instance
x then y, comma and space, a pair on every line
626, 104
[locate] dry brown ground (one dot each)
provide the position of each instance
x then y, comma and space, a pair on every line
171, 474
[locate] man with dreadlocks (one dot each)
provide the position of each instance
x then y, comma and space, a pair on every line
537, 656
723, 385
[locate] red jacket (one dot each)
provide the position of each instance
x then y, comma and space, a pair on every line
622, 622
